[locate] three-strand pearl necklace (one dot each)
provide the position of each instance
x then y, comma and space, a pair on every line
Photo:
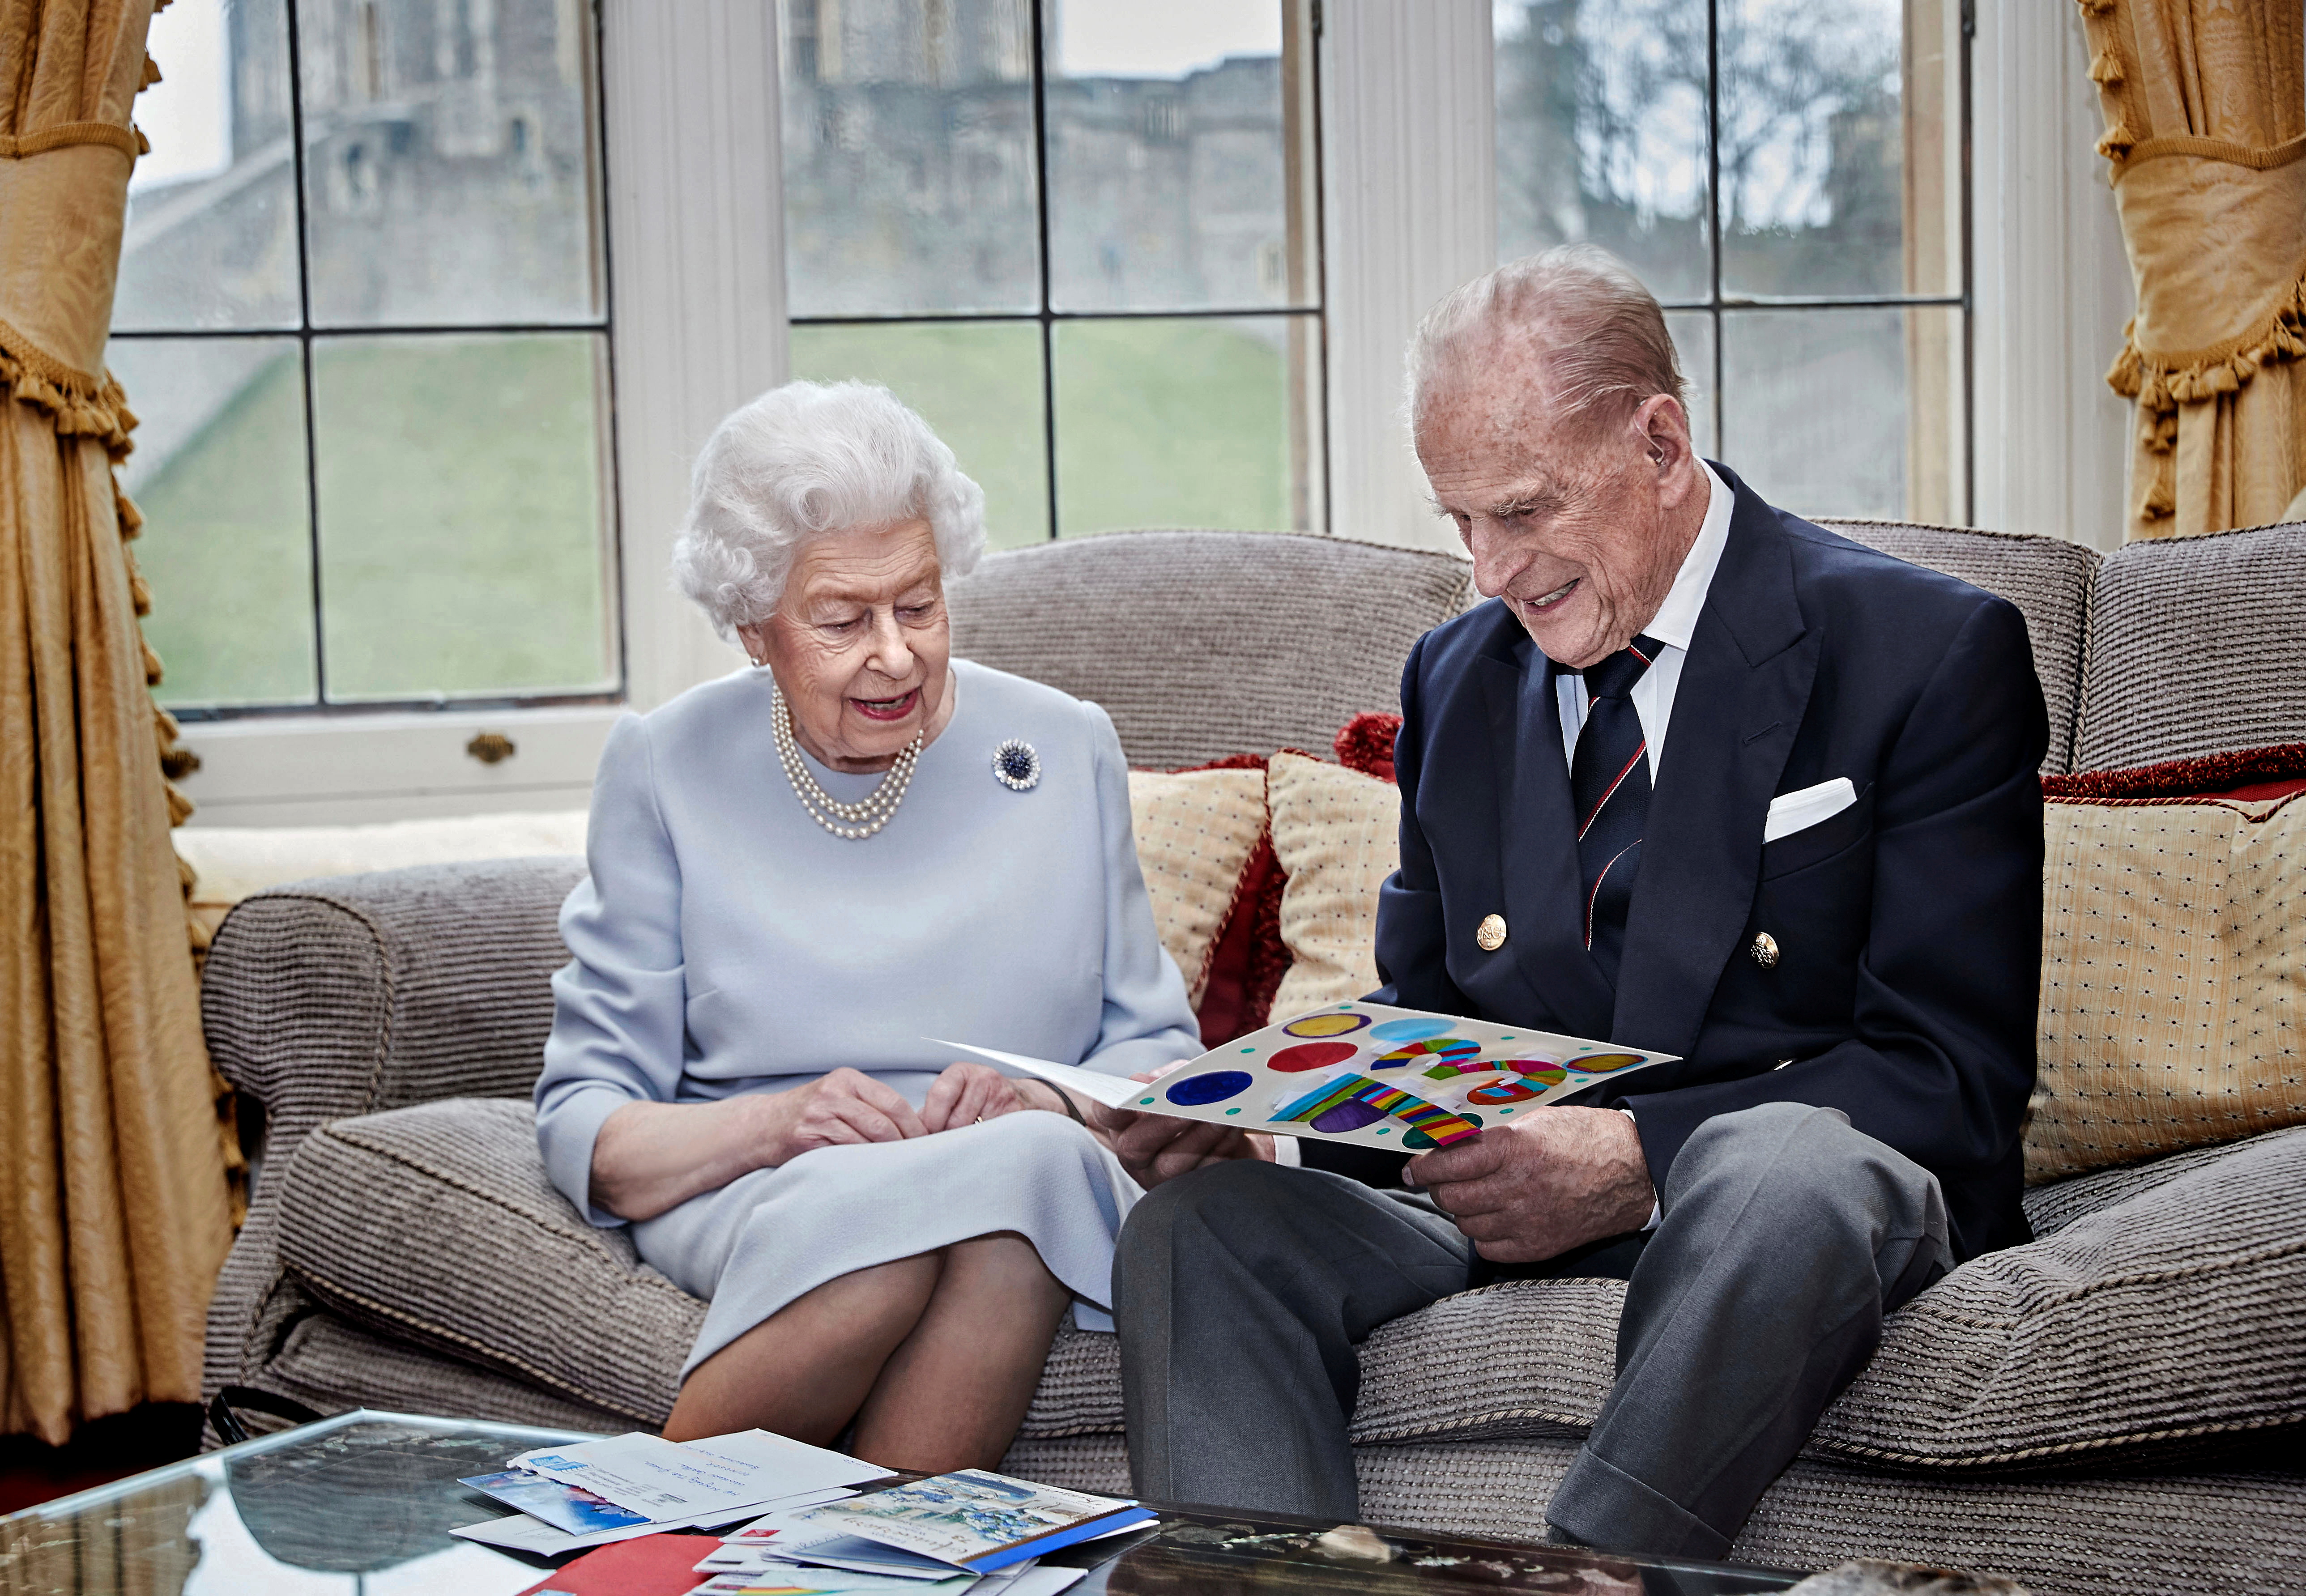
855, 822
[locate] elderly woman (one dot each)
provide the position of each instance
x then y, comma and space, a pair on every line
801, 873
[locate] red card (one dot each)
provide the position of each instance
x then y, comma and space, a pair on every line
646, 1566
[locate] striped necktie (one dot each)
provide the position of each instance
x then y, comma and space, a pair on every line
1609, 792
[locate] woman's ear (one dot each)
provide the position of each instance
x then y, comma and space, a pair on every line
753, 641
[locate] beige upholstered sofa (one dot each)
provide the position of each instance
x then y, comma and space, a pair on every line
2115, 1407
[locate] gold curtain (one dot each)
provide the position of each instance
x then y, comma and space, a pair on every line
114, 1208
2205, 106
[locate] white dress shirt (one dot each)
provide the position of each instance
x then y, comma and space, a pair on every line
1675, 623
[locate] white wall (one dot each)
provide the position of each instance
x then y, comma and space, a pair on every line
1409, 212
2052, 284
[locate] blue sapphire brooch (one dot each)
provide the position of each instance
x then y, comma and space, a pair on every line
1016, 766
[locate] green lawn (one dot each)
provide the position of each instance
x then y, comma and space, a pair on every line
225, 551
461, 488
1159, 423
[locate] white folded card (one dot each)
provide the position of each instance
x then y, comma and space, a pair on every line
1791, 812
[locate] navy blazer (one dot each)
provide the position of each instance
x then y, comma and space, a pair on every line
1910, 925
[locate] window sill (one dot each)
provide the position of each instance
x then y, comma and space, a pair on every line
338, 770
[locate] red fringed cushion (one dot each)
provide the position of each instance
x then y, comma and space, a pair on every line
1249, 959
1365, 743
2246, 773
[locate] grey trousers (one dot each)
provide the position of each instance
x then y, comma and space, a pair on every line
1242, 1290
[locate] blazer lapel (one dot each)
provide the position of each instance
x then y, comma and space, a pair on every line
1543, 974
1740, 700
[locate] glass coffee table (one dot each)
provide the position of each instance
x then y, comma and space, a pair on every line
363, 1503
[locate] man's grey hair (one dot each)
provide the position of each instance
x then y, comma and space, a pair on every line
800, 462
1598, 335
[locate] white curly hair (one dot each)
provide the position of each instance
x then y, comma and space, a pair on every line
804, 460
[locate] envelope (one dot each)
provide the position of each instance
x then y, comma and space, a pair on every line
1791, 812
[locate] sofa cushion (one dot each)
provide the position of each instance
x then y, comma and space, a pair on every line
1337, 834
435, 1226
2161, 1325
2150, 1327
2194, 648
2047, 578
1197, 834
331, 1364
1205, 643
2174, 979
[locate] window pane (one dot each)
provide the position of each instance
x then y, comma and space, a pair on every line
1848, 412
1600, 118
908, 156
218, 471
211, 239
449, 161
979, 384
1838, 177
463, 541
1692, 332
1185, 422
1177, 147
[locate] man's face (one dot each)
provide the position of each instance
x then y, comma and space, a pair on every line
1566, 522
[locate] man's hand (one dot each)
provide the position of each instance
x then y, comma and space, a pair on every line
1536, 1189
965, 1093
1154, 1147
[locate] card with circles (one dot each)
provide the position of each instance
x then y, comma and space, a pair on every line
1362, 1073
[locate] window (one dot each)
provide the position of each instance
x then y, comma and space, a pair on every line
362, 314
1079, 238
1789, 180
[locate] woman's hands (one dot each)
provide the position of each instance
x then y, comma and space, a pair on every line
966, 1093
844, 1107
652, 1156
1154, 1147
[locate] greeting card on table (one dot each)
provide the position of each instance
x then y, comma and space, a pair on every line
1362, 1073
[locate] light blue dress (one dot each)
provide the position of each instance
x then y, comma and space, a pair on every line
725, 942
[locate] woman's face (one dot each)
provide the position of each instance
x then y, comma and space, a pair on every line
860, 643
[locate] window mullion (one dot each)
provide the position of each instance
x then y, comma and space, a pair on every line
305, 349
1040, 67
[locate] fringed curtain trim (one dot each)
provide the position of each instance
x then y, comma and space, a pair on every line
2160, 383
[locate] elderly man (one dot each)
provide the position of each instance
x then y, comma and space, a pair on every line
1701, 778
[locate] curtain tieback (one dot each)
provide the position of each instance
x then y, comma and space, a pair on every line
128, 141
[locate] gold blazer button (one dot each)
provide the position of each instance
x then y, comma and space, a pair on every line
1492, 935
1765, 950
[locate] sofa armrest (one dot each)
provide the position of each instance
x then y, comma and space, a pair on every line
354, 994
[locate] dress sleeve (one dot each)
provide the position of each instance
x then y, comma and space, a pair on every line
618, 1018
1149, 1020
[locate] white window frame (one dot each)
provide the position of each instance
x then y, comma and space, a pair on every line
695, 226
1408, 119
699, 316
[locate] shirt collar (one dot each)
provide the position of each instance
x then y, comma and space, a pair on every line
1676, 622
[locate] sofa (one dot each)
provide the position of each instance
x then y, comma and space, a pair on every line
2115, 1407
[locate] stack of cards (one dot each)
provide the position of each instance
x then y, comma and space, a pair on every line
972, 1531
597, 1492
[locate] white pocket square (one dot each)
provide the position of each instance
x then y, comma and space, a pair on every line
1791, 812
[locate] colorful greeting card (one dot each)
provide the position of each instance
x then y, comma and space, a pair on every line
1364, 1073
